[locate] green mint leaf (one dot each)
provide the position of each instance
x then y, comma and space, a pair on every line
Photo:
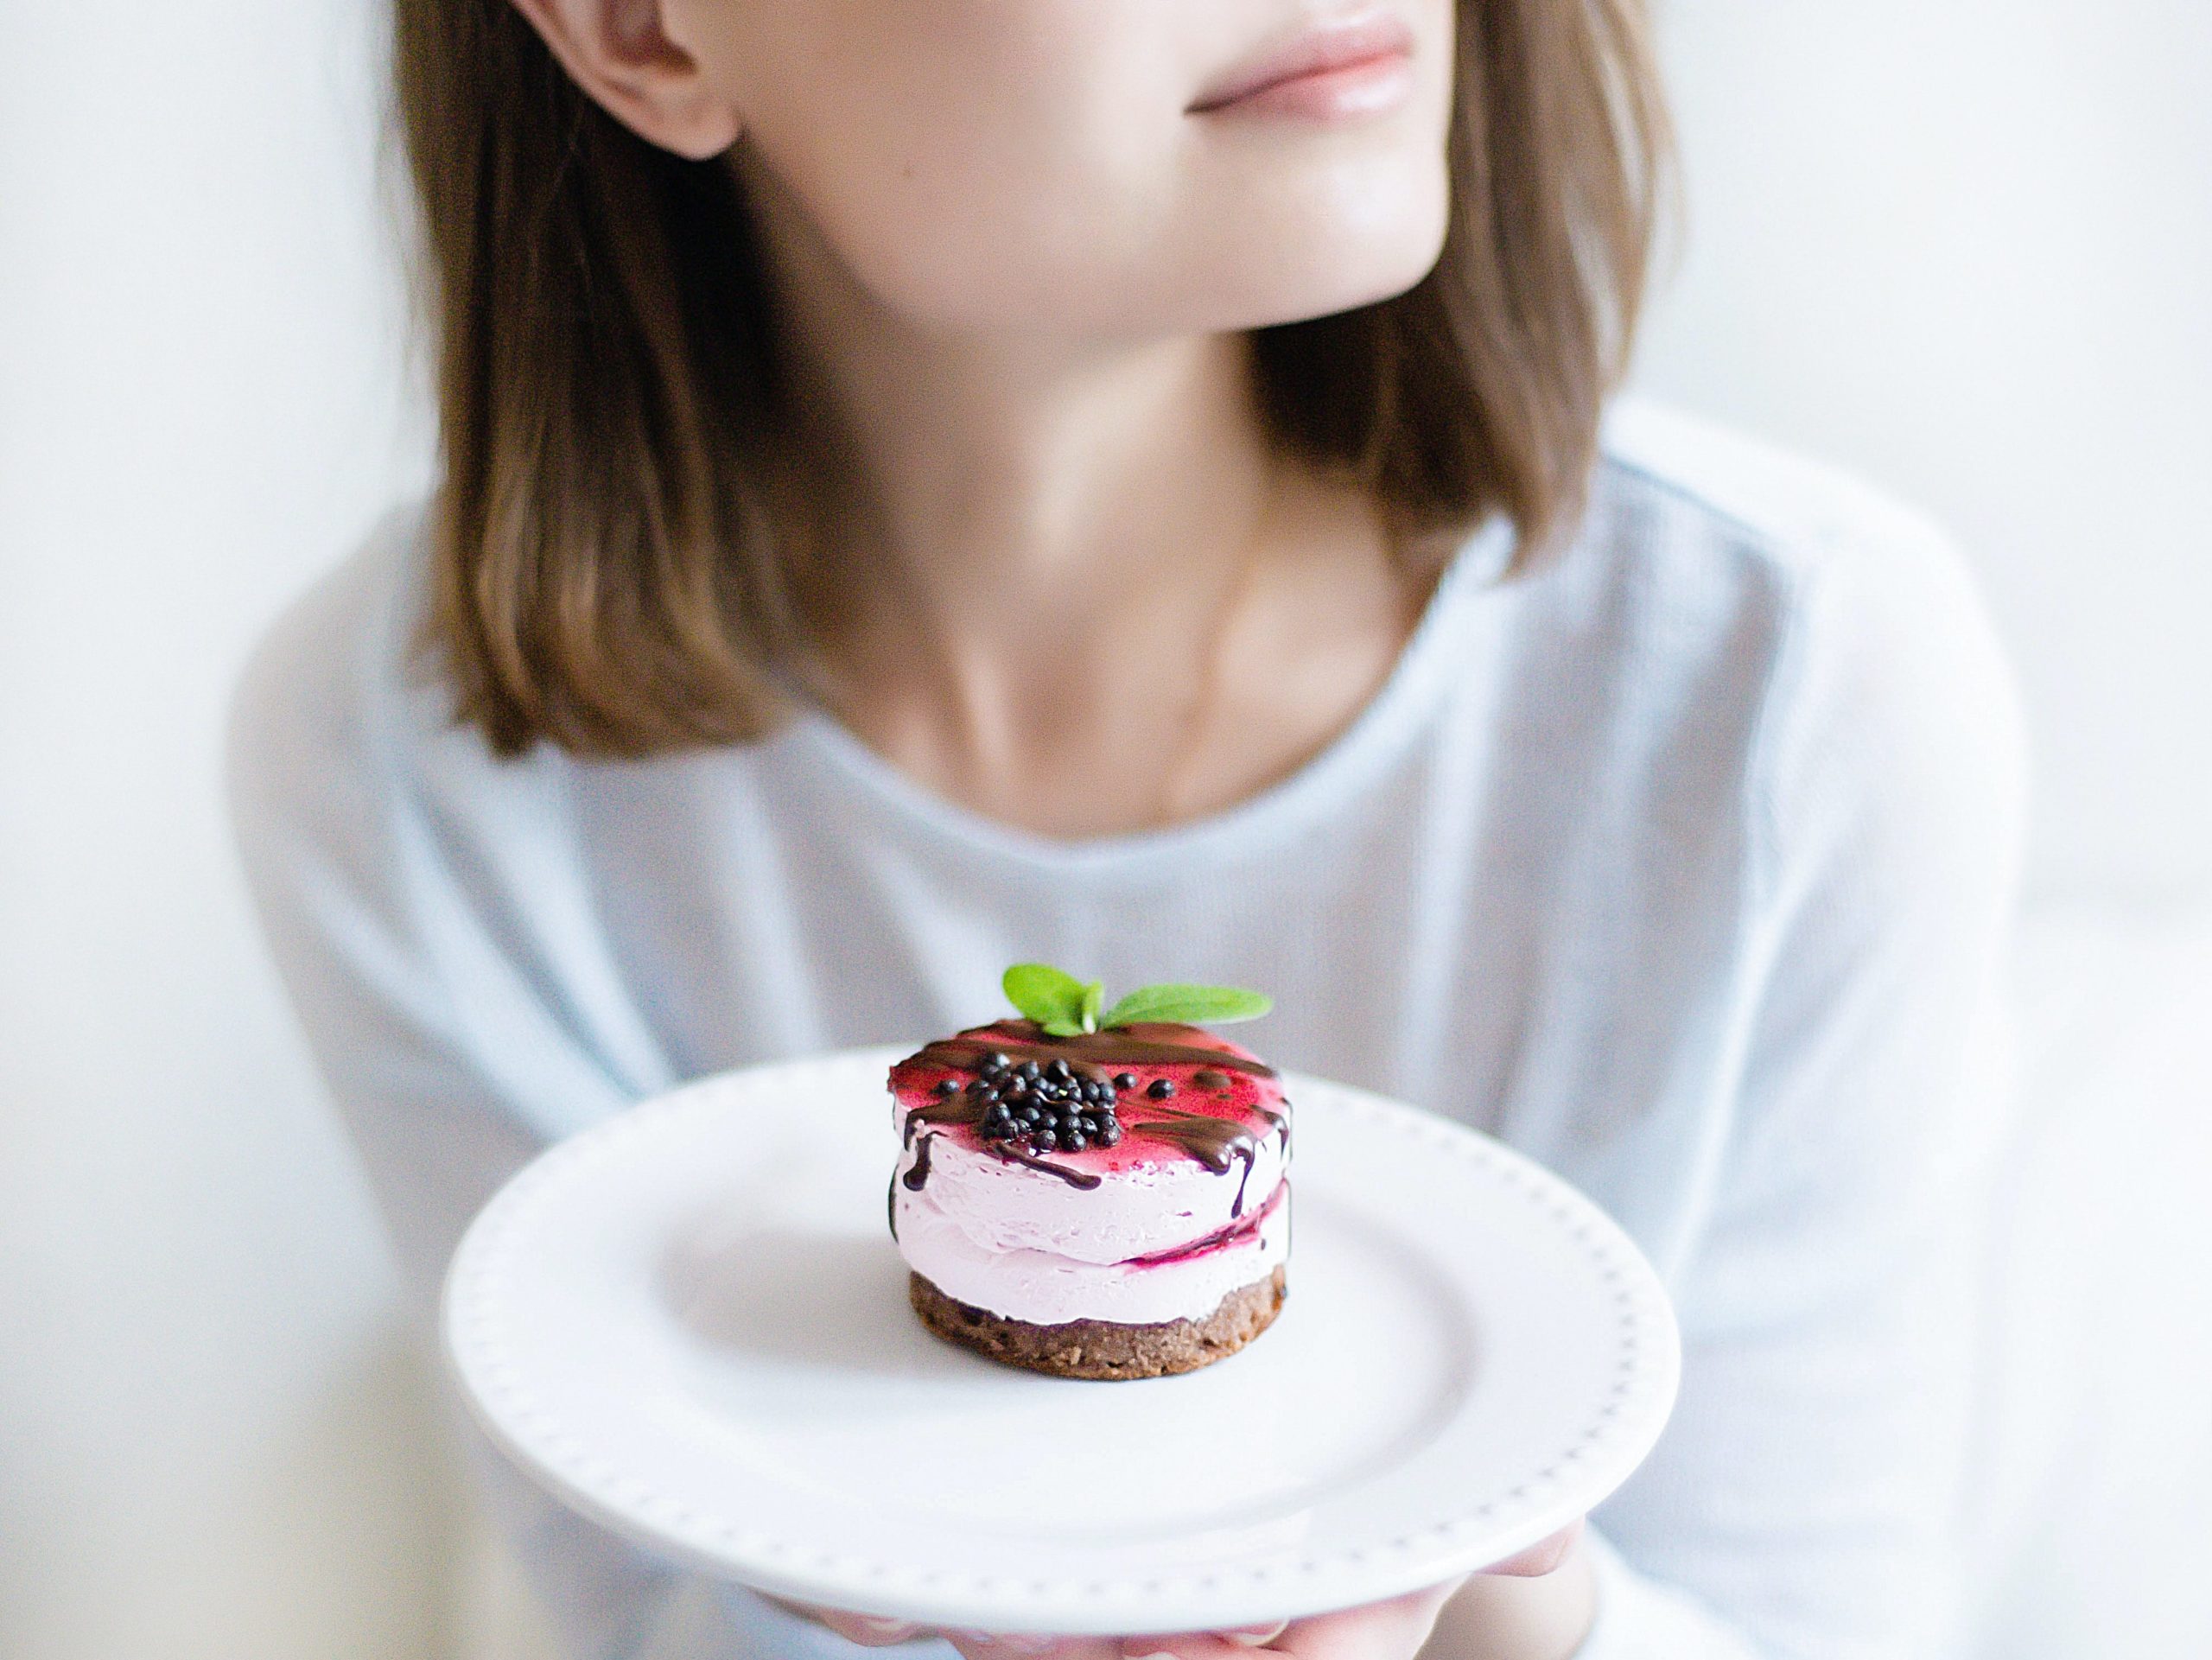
1061, 1029
1189, 1005
1045, 995
1094, 999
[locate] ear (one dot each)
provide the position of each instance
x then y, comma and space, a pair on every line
621, 53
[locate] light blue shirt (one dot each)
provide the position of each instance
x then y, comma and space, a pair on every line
1682, 865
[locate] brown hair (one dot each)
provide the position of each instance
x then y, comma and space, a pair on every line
608, 571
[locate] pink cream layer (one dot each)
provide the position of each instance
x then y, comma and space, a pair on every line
1045, 1288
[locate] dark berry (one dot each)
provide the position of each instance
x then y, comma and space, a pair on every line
1125, 1080
1073, 1141
998, 1057
1161, 1088
1108, 1133
947, 1086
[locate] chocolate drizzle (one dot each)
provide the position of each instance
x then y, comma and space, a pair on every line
1081, 1178
1102, 1051
962, 1109
1214, 1143
918, 1173
967, 1110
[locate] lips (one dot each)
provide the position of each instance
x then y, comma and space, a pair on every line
1350, 66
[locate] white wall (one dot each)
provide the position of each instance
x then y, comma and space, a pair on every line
1964, 246
202, 1450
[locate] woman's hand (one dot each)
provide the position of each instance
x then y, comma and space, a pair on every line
871, 1632
1482, 1621
1381, 1631
1397, 1630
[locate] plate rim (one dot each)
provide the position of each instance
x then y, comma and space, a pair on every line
1212, 1598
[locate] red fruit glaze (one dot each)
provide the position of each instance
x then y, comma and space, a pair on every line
1253, 1100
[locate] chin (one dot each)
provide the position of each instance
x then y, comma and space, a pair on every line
1284, 248
1349, 285
1363, 238
1340, 265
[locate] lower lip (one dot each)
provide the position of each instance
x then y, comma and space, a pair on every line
1371, 86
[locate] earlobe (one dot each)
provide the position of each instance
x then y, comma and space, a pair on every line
621, 53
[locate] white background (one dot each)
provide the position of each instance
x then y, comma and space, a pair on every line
1964, 247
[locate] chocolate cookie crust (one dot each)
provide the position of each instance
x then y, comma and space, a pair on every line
1100, 1349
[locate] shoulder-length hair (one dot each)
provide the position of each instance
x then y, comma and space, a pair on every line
608, 571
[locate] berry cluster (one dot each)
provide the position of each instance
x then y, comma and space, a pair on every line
1050, 1106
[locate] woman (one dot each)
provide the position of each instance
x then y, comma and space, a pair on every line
934, 485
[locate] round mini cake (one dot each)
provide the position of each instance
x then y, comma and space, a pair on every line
1106, 1204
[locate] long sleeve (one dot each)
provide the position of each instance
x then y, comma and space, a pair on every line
450, 1065
1800, 1505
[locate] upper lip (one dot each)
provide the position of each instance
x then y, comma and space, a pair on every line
1313, 51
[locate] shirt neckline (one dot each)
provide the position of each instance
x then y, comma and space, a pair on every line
1364, 743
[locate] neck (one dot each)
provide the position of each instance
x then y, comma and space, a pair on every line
988, 481
984, 489
1048, 568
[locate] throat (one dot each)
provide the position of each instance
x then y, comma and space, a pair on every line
1141, 705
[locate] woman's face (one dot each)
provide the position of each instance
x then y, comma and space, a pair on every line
1097, 168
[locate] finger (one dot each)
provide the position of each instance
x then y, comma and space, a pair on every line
1256, 1637
1018, 1646
869, 1631
1378, 1631
1202, 1646
1541, 1558
1186, 1645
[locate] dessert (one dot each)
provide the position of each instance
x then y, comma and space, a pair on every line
1094, 1192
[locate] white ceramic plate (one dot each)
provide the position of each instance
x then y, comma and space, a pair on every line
690, 1324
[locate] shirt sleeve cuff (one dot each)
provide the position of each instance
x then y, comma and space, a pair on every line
1642, 1618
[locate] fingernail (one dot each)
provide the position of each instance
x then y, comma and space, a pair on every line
1258, 1637
1152, 1654
889, 1631
1023, 1642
